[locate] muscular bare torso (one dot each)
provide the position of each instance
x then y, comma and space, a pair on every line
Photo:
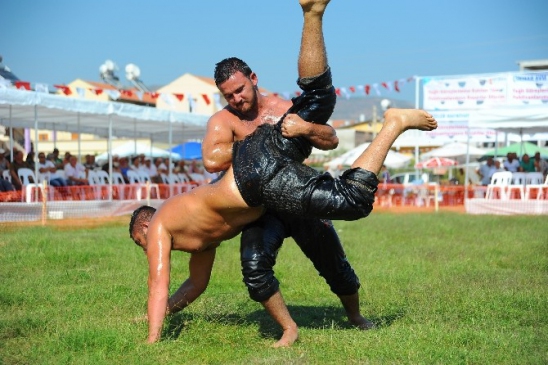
205, 216
271, 110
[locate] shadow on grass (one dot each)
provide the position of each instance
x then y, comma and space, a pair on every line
311, 317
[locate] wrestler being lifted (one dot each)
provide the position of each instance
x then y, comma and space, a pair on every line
197, 221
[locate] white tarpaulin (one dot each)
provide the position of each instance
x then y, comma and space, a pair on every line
393, 160
523, 119
131, 148
456, 151
26, 109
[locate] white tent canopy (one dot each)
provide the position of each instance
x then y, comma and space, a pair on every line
523, 119
131, 148
393, 160
29, 109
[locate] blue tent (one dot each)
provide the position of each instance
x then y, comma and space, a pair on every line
189, 150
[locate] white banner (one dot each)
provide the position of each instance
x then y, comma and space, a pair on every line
531, 88
471, 92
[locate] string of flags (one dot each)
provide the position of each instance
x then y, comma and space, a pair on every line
346, 92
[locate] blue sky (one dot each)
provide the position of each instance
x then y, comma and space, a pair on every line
368, 41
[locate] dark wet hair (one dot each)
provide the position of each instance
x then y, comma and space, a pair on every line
228, 67
139, 217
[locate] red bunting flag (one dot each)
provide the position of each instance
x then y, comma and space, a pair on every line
367, 89
179, 96
338, 91
97, 91
153, 95
126, 93
65, 89
352, 88
396, 86
206, 99
22, 85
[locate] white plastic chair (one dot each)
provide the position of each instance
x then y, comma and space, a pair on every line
119, 184
499, 184
517, 185
6, 175
26, 176
543, 191
533, 182
141, 181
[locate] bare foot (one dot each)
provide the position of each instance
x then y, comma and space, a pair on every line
314, 6
405, 119
362, 323
289, 337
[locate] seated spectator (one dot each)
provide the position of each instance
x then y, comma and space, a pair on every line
90, 164
5, 185
161, 167
526, 164
54, 157
48, 170
511, 163
135, 164
18, 163
30, 160
124, 167
487, 170
541, 165
75, 172
66, 159
151, 170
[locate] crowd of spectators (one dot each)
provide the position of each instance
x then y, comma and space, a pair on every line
513, 164
71, 171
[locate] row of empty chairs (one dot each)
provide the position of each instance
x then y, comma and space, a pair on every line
506, 185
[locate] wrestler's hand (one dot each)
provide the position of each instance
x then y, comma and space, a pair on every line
294, 126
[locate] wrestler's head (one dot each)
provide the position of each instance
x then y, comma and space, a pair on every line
237, 83
138, 225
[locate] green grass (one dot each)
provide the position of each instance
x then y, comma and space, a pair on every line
443, 288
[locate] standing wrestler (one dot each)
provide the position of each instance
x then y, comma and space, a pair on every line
260, 241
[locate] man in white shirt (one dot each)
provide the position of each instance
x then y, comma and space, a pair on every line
486, 171
48, 171
511, 163
151, 170
75, 172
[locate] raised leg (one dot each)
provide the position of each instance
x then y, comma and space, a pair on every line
312, 55
396, 121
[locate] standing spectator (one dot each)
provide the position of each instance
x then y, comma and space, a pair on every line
5, 185
487, 170
498, 167
48, 170
18, 163
75, 172
511, 163
541, 165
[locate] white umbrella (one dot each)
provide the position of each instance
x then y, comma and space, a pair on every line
128, 149
455, 150
393, 160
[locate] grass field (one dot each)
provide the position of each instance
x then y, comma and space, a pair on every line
443, 288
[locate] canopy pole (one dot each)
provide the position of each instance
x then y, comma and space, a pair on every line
35, 150
109, 148
11, 138
170, 141
467, 164
417, 106
79, 138
135, 135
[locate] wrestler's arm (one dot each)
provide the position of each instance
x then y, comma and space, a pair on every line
321, 136
159, 257
217, 144
200, 266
